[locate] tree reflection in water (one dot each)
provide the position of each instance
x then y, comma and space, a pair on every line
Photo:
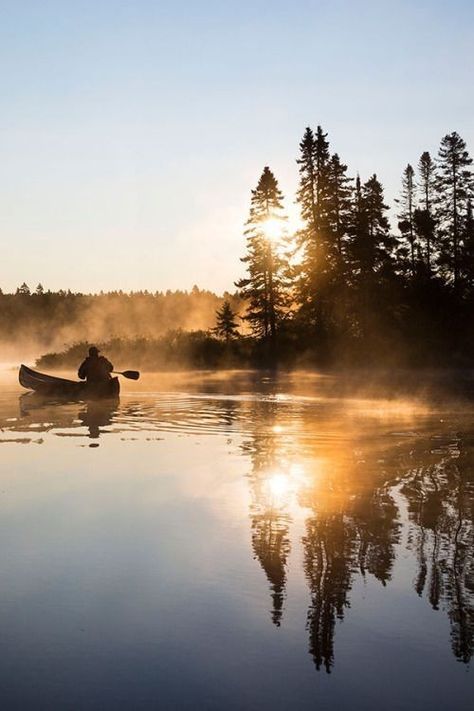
346, 477
351, 495
270, 520
441, 507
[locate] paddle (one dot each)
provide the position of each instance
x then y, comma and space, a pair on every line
130, 374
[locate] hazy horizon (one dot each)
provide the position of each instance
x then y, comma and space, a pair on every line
133, 134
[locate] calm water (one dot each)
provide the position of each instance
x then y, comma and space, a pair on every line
236, 543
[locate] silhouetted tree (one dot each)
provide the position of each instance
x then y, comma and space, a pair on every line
468, 248
23, 290
453, 189
371, 244
313, 199
226, 324
266, 286
426, 183
424, 225
423, 217
405, 216
339, 206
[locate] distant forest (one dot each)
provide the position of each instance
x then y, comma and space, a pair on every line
44, 319
345, 288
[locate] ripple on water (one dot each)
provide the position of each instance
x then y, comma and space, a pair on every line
281, 416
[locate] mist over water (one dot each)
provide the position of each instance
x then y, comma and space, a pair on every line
34, 323
236, 540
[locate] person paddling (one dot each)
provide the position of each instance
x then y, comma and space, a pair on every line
95, 368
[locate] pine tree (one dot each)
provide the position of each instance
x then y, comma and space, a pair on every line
24, 289
453, 190
226, 324
313, 199
383, 243
424, 225
407, 207
423, 217
426, 184
339, 206
371, 245
468, 248
39, 290
266, 286
357, 232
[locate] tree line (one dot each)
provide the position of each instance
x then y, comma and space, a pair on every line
345, 286
43, 318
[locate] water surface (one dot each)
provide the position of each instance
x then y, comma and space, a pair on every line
241, 542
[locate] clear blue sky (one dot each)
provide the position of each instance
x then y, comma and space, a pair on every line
132, 132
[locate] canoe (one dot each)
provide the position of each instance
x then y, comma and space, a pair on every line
52, 386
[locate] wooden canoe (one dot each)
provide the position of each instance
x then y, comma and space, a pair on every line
51, 386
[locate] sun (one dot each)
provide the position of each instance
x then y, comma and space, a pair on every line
273, 229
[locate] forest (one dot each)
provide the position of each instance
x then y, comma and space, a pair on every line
35, 320
349, 287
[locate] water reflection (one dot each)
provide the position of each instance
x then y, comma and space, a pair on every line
353, 490
357, 538
96, 416
270, 534
440, 499
369, 480
46, 415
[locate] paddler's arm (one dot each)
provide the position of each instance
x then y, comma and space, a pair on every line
82, 372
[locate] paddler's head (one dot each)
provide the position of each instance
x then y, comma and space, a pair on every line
93, 351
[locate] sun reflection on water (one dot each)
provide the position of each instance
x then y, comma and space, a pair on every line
336, 490
281, 489
279, 486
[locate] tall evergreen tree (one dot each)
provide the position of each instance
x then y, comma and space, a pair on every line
339, 206
371, 244
357, 232
453, 190
313, 199
406, 223
467, 260
426, 183
424, 225
266, 286
423, 217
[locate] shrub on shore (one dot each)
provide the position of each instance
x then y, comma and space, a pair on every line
175, 350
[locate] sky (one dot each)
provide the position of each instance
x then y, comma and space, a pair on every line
131, 133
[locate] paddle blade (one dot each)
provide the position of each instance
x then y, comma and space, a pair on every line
131, 374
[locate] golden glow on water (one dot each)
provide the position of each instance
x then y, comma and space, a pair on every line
272, 498
397, 408
279, 487
283, 488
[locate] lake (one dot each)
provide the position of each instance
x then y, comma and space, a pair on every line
237, 541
